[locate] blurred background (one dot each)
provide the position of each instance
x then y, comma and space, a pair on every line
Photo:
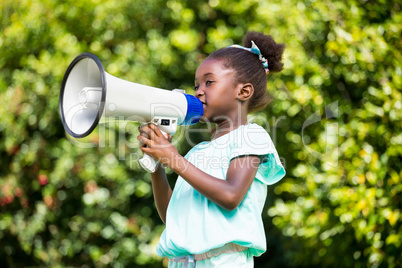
335, 118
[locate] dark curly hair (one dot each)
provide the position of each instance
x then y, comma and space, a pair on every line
249, 68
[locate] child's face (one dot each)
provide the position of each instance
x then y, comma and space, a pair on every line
216, 89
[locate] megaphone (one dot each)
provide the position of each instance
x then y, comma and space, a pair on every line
88, 94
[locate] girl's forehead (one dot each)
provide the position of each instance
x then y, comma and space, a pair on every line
211, 64
212, 67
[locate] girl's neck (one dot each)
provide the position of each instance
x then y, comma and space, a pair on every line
226, 126
236, 118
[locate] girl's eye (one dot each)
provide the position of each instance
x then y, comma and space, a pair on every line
196, 87
208, 82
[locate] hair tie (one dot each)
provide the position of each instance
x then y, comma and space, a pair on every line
255, 50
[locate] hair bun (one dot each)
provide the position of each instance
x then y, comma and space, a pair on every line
271, 50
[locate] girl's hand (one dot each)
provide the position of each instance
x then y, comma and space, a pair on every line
154, 143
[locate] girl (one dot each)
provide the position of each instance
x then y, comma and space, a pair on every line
213, 216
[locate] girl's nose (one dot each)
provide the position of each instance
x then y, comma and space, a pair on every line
199, 92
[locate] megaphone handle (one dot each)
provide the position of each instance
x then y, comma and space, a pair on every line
148, 162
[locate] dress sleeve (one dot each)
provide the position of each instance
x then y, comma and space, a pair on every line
255, 140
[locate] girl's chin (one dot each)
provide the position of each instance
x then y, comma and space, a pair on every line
203, 119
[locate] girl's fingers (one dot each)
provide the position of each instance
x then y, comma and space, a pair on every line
156, 130
141, 143
159, 133
148, 130
151, 132
169, 138
144, 141
145, 150
143, 134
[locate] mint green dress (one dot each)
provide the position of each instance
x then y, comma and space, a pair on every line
195, 225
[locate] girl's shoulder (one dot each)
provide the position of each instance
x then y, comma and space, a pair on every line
252, 133
253, 138
250, 136
254, 128
248, 131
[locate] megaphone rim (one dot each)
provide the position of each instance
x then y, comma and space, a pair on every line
103, 97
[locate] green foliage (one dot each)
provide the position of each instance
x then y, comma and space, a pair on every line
335, 120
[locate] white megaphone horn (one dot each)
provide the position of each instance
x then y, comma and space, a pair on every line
89, 94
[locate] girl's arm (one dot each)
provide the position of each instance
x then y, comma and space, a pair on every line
226, 193
161, 190
160, 186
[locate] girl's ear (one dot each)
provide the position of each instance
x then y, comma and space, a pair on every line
245, 92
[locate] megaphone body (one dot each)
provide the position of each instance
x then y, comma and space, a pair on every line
88, 95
